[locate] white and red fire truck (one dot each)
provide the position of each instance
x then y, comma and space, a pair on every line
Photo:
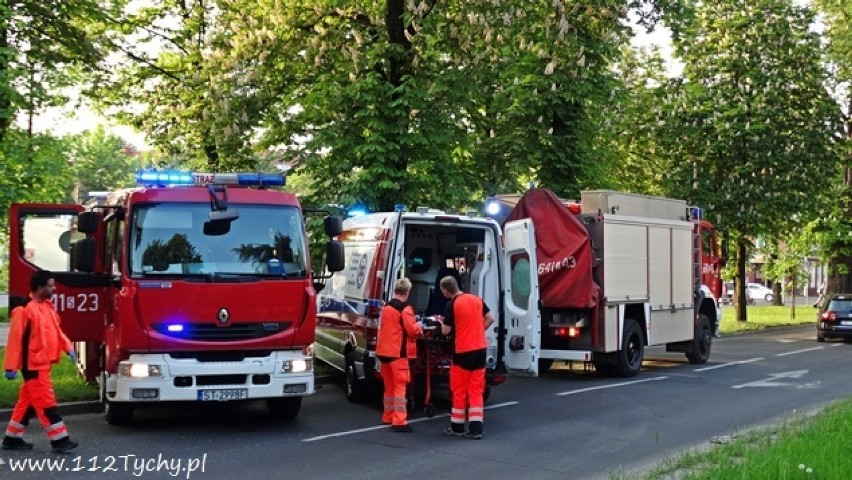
191, 287
616, 273
597, 284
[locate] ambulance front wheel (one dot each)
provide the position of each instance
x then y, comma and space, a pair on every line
356, 390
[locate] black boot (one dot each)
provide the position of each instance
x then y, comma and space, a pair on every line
16, 443
63, 444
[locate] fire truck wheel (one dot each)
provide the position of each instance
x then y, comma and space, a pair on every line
118, 413
699, 351
284, 408
629, 358
356, 390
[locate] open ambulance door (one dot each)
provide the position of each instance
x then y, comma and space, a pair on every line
41, 237
522, 319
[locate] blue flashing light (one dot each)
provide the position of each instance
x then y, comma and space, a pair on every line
357, 212
399, 207
171, 178
175, 328
696, 213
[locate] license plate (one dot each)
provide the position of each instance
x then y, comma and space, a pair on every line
846, 323
223, 395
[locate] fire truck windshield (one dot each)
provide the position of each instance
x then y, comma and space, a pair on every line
169, 240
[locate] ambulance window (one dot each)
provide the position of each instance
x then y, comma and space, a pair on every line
419, 261
520, 263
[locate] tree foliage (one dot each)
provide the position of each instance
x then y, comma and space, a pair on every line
45, 45
835, 227
381, 102
102, 161
749, 130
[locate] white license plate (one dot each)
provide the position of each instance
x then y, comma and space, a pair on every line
846, 323
223, 395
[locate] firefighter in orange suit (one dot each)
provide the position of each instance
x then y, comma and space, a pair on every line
468, 315
35, 343
395, 347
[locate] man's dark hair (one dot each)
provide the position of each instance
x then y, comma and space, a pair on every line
39, 279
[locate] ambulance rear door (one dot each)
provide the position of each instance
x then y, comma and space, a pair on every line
522, 318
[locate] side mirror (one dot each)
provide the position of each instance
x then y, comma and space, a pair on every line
83, 255
334, 256
87, 222
333, 225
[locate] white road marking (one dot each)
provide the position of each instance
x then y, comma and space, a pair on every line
380, 427
602, 387
714, 367
770, 382
798, 351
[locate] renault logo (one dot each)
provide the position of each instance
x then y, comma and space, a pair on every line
223, 316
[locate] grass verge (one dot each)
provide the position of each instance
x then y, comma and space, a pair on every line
761, 317
813, 447
68, 385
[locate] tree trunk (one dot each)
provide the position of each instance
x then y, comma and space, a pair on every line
740, 281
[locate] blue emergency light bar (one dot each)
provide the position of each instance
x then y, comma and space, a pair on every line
173, 178
696, 213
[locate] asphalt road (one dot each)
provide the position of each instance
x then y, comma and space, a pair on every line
569, 424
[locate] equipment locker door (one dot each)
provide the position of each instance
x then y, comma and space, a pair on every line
521, 298
41, 237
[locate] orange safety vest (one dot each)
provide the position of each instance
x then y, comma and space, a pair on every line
35, 336
469, 323
398, 330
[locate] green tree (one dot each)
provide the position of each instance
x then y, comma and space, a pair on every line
45, 45
382, 102
836, 222
749, 131
101, 161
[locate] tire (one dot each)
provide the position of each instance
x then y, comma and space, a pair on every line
820, 337
118, 413
284, 408
544, 365
356, 390
699, 352
486, 394
768, 297
629, 357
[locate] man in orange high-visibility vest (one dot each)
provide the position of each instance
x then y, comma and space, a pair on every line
469, 317
35, 343
396, 346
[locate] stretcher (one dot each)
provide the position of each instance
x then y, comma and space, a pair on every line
432, 367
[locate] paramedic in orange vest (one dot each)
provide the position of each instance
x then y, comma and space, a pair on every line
395, 347
35, 343
468, 315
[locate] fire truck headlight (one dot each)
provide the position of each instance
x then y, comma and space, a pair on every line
139, 370
297, 366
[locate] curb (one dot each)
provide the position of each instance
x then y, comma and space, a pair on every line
65, 409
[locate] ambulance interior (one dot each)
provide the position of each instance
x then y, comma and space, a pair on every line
434, 251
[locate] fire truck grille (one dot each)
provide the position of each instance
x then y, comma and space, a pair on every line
210, 332
223, 356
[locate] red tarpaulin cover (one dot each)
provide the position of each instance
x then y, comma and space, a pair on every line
563, 249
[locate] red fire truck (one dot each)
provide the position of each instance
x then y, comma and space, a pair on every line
190, 287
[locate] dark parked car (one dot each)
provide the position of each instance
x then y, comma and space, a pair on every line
835, 318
